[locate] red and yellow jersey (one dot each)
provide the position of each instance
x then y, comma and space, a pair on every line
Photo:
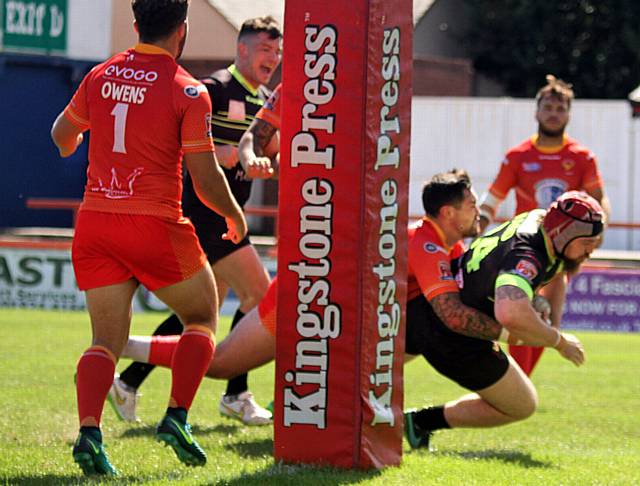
144, 112
541, 174
271, 110
430, 261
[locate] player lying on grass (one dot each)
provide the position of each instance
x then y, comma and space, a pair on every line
498, 276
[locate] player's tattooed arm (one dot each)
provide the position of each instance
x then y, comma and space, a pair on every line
510, 292
463, 319
262, 132
252, 150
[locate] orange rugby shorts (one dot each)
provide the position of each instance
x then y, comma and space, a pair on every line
268, 306
110, 248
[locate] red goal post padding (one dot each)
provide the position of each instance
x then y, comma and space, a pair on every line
342, 232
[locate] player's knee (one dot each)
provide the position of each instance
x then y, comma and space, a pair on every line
527, 405
251, 297
219, 369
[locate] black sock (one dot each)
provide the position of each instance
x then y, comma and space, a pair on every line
178, 413
431, 418
237, 385
137, 372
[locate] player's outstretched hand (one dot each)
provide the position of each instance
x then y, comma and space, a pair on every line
571, 348
236, 229
259, 168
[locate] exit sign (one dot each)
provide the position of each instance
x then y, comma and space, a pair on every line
34, 26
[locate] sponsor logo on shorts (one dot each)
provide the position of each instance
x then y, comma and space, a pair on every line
526, 269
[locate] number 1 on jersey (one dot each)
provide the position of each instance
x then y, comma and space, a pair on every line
120, 113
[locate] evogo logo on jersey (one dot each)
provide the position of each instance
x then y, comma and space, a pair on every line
131, 74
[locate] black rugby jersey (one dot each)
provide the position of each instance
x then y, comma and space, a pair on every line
235, 103
517, 253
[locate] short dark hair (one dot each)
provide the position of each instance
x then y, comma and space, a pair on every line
557, 88
445, 189
266, 24
158, 19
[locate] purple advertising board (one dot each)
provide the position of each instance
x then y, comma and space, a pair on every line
605, 299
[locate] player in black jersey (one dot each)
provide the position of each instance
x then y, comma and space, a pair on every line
237, 93
499, 275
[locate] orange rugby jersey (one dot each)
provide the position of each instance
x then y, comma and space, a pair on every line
540, 174
271, 110
430, 261
144, 112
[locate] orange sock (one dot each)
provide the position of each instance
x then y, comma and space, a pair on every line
161, 350
95, 374
536, 354
191, 360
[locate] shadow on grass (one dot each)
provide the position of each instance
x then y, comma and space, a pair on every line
65, 479
256, 448
295, 475
150, 430
506, 456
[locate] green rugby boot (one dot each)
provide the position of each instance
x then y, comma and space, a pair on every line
174, 431
417, 437
89, 454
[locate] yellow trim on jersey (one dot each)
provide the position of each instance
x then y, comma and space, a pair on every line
143, 48
74, 118
241, 79
439, 232
548, 150
230, 124
224, 141
516, 281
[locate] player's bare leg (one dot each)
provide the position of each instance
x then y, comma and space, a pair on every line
510, 399
110, 312
195, 301
243, 272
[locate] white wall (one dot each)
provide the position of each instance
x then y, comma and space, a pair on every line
474, 134
89, 29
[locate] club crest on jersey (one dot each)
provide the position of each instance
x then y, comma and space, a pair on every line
526, 269
193, 91
568, 164
433, 248
548, 190
445, 270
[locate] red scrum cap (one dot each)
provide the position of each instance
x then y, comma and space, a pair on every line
573, 215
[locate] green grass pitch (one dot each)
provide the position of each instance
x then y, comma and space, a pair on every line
585, 432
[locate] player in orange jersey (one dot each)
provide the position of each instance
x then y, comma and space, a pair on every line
146, 114
251, 343
539, 170
237, 92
